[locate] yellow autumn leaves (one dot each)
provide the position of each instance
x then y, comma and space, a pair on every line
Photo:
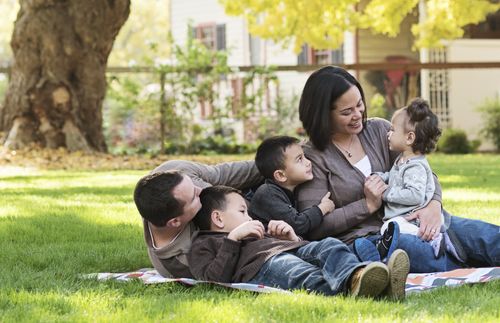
322, 23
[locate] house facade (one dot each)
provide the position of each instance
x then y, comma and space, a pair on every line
454, 94
220, 31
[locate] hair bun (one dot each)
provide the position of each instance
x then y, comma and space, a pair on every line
418, 110
426, 125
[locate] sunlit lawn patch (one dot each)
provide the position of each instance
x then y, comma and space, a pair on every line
57, 225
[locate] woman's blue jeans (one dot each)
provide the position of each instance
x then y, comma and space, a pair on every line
322, 266
481, 241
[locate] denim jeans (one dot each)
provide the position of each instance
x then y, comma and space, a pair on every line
481, 241
322, 266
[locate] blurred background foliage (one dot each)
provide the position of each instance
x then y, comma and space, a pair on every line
182, 105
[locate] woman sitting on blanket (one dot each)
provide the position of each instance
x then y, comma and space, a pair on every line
345, 149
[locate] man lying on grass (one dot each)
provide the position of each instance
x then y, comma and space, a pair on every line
231, 247
168, 200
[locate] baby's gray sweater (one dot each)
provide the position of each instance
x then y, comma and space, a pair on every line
411, 187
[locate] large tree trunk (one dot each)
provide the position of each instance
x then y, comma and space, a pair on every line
58, 79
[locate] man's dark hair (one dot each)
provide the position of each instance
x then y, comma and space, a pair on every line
154, 199
425, 123
270, 154
212, 198
322, 89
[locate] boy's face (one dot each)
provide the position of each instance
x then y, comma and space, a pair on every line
298, 168
398, 135
236, 212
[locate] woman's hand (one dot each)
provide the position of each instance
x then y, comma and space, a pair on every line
430, 220
374, 188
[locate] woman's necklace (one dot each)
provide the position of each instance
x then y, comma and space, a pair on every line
347, 151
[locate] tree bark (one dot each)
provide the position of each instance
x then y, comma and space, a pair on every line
58, 80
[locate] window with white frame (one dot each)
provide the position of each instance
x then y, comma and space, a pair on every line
311, 56
212, 35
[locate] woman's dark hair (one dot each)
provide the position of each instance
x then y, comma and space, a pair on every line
425, 123
322, 89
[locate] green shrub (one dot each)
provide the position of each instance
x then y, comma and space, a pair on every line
454, 141
490, 111
378, 107
212, 145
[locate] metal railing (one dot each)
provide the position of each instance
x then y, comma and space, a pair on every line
162, 74
383, 66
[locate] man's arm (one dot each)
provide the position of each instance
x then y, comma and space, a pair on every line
239, 174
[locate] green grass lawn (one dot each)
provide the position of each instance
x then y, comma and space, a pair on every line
56, 225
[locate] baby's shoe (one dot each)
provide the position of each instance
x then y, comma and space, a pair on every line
388, 242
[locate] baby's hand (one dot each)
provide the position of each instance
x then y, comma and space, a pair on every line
248, 229
281, 230
326, 205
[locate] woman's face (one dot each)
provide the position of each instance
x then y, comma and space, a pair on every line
347, 113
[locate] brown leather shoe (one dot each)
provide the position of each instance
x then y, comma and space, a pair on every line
369, 281
399, 267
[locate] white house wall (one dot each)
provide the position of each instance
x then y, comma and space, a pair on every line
468, 88
206, 11
237, 40
291, 83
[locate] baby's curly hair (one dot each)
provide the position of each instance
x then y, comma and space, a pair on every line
425, 125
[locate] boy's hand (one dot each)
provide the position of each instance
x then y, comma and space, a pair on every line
248, 229
281, 230
326, 205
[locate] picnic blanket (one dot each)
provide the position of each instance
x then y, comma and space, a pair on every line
414, 282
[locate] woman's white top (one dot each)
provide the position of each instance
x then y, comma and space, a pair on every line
364, 166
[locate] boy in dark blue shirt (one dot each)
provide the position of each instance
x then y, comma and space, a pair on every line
282, 163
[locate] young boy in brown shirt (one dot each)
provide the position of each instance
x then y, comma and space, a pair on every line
231, 247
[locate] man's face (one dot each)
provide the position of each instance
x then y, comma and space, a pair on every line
189, 194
